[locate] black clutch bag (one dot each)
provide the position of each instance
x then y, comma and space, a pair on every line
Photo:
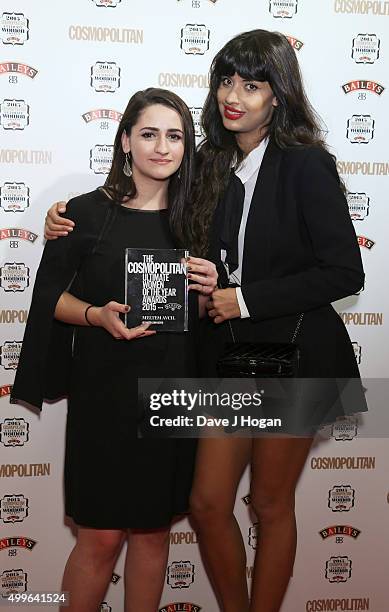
260, 359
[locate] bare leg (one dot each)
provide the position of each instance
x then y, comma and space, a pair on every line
89, 567
220, 463
276, 466
145, 569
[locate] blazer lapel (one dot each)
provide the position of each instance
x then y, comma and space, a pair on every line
260, 217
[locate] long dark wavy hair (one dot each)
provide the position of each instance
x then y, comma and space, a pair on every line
120, 187
258, 55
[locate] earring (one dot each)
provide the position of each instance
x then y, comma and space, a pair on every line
127, 170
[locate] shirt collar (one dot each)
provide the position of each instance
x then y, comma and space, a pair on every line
252, 162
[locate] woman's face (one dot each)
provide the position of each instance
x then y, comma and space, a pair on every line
246, 106
156, 143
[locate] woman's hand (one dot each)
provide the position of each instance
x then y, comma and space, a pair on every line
223, 305
203, 274
108, 317
55, 225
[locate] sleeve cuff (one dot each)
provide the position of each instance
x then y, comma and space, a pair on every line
244, 313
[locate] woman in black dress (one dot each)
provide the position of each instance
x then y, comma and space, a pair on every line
117, 485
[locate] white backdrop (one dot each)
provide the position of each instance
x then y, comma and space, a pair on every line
67, 69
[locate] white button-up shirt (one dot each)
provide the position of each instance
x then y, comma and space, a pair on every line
248, 174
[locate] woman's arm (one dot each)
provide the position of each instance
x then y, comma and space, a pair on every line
70, 309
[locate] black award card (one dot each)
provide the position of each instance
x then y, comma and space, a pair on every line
156, 288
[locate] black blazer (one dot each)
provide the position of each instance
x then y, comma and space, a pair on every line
300, 254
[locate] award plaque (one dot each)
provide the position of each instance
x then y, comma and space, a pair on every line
156, 288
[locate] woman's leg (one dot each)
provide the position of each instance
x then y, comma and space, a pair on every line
145, 569
276, 466
220, 463
89, 567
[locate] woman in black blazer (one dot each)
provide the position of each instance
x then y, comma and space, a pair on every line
263, 162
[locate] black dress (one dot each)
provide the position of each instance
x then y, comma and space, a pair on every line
113, 479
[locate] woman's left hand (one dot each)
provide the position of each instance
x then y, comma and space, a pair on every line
203, 275
223, 305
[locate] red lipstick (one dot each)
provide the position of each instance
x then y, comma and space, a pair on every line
232, 113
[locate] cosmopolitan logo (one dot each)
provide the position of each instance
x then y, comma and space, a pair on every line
362, 318
17, 232
295, 43
365, 242
14, 29
24, 470
363, 86
185, 80
340, 530
343, 463
364, 168
13, 508
25, 156
195, 39
338, 605
5, 390
366, 48
283, 8
362, 7
181, 606
17, 542
110, 35
102, 114
183, 537
13, 316
23, 69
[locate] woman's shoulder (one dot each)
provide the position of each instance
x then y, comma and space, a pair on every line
302, 154
87, 206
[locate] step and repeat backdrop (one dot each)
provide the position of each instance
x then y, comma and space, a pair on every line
67, 70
